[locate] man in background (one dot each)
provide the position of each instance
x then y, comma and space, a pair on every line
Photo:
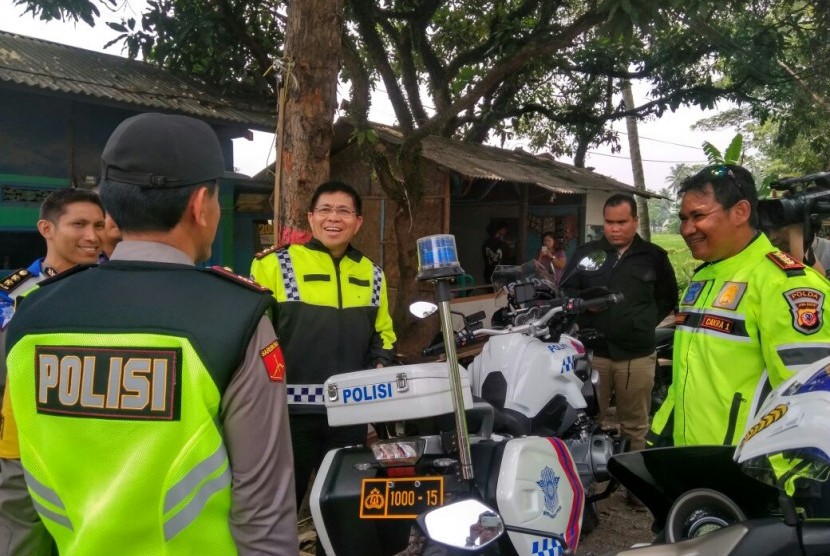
494, 249
624, 355
71, 222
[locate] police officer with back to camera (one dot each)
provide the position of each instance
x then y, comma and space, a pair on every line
71, 222
751, 317
151, 406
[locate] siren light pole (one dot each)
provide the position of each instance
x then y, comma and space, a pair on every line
438, 263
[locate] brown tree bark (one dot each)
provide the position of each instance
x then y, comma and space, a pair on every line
312, 56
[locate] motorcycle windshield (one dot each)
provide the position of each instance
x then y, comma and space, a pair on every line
783, 468
506, 277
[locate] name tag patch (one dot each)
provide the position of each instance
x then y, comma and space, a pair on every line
719, 324
108, 383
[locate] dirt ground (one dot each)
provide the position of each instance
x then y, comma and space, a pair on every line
620, 526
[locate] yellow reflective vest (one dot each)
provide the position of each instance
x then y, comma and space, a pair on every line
117, 406
745, 324
332, 317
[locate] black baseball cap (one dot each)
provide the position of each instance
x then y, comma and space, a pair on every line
163, 151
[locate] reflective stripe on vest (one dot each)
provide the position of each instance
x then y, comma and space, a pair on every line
50, 496
377, 277
292, 289
289, 279
199, 473
305, 394
191, 511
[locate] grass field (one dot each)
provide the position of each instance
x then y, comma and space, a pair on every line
682, 261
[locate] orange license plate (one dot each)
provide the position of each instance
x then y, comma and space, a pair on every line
400, 497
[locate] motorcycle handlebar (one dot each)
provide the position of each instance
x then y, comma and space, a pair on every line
609, 299
433, 349
437, 348
535, 328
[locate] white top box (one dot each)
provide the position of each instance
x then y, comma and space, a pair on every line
392, 394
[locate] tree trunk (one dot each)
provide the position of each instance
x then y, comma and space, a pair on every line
636, 161
407, 285
312, 55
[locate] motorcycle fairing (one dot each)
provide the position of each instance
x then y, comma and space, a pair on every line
533, 371
659, 476
538, 488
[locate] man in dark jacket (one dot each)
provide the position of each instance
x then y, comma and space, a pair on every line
624, 355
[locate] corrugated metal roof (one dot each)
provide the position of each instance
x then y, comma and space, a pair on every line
37, 64
493, 163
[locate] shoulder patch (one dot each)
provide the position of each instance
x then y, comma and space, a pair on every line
786, 263
806, 308
274, 361
228, 274
12, 281
265, 252
68, 272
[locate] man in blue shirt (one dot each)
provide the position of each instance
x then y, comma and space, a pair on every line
71, 222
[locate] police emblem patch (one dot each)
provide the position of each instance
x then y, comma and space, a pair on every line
692, 293
549, 483
274, 361
806, 307
730, 295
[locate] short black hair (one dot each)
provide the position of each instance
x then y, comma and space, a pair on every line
495, 226
54, 205
550, 235
617, 199
730, 183
336, 187
137, 209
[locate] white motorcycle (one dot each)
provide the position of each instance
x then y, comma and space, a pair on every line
365, 499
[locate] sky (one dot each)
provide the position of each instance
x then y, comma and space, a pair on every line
664, 142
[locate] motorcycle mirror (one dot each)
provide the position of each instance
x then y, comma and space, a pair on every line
423, 309
466, 525
592, 261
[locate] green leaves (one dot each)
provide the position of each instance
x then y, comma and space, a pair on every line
63, 10
732, 155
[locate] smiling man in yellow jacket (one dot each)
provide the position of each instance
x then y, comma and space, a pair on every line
750, 317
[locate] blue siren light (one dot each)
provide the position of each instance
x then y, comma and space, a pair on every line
438, 257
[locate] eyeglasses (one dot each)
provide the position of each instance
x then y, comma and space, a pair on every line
342, 212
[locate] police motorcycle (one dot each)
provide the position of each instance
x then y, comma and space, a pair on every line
366, 500
536, 372
769, 496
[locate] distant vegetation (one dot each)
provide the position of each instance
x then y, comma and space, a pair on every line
681, 259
